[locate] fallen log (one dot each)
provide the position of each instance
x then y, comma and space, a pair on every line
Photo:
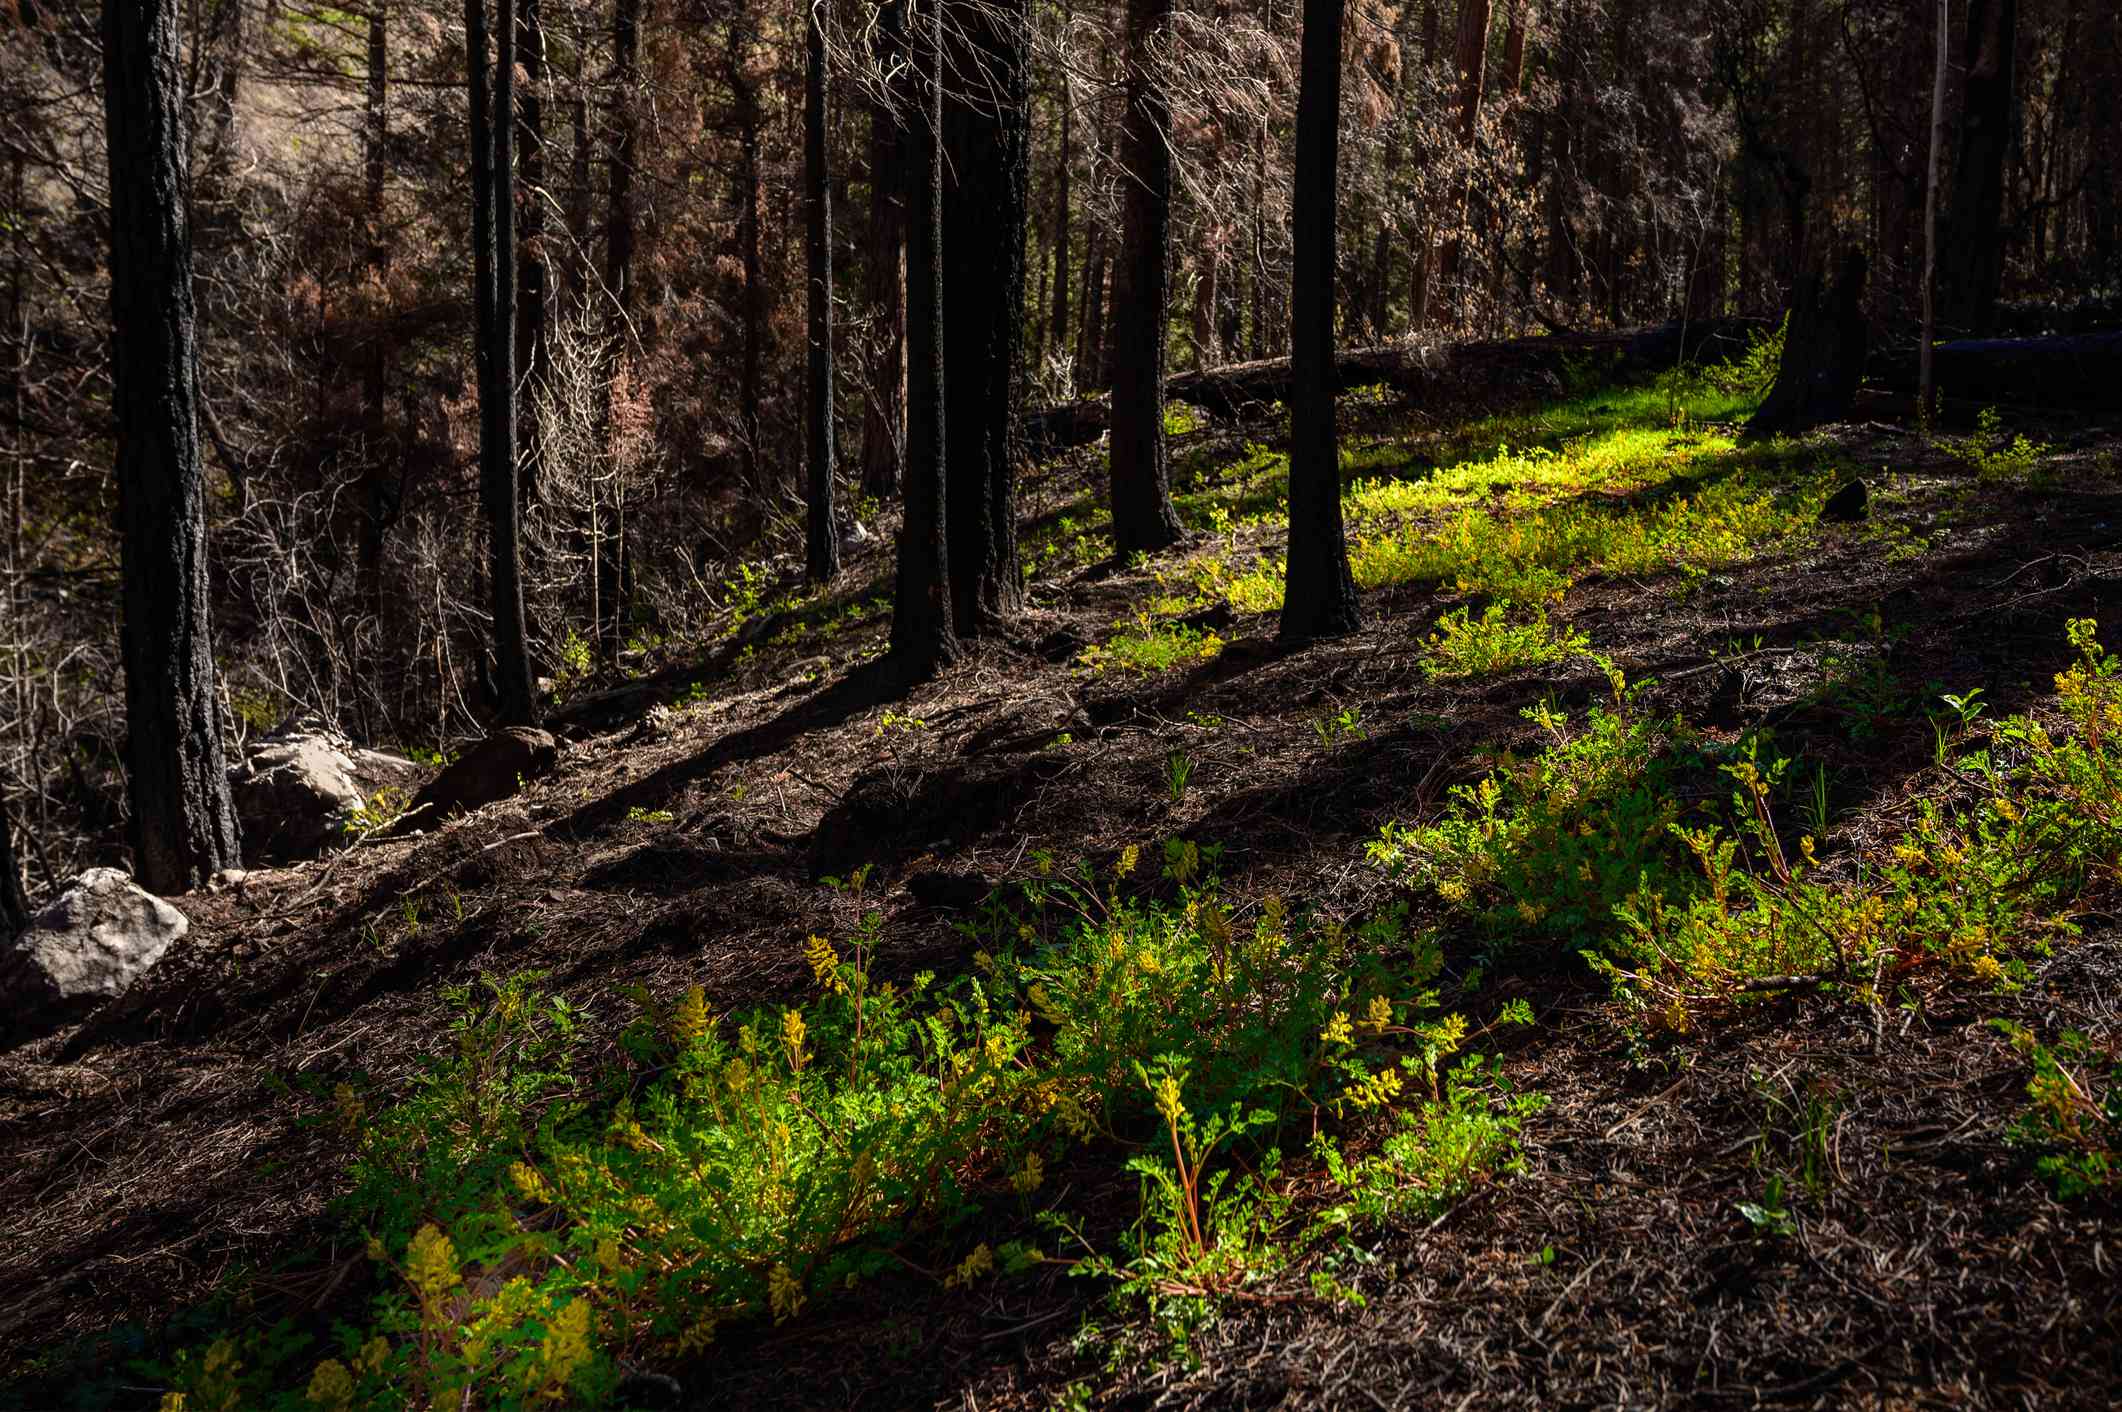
2067, 372
1545, 366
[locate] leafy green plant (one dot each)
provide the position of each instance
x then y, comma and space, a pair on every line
1153, 646
2076, 1111
1994, 458
380, 810
533, 1229
1550, 845
1683, 907
1466, 646
1753, 373
1178, 769
1342, 726
1770, 1216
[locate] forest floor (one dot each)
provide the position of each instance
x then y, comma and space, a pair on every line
1799, 1196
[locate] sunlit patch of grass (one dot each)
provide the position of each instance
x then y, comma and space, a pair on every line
1152, 646
1255, 589
1252, 490
1495, 642
1526, 558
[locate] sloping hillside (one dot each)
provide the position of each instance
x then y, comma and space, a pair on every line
1137, 968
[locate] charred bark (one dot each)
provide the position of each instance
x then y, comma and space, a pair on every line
1972, 256
1824, 346
494, 303
1320, 597
183, 824
1144, 519
987, 142
821, 538
922, 638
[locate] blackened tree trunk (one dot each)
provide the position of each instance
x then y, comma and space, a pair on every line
1143, 518
14, 907
821, 541
2103, 209
619, 179
494, 303
379, 501
533, 278
923, 638
578, 192
1926, 389
1319, 599
1824, 345
608, 547
1973, 263
1057, 332
986, 199
183, 823
1471, 60
1090, 359
751, 382
225, 36
884, 411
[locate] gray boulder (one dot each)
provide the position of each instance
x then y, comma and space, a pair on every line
90, 945
294, 795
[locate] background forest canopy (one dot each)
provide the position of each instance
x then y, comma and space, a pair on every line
1505, 168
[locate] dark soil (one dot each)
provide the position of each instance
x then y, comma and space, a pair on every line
165, 1151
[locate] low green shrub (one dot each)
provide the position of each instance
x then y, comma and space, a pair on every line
536, 1231
2075, 1116
1466, 646
1154, 645
1609, 840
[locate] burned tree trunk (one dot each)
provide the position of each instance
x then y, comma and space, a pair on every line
1144, 519
922, 637
987, 140
1320, 600
821, 539
1972, 260
183, 822
494, 297
884, 409
14, 907
1824, 345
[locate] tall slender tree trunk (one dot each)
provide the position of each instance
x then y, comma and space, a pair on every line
986, 200
1319, 599
821, 539
14, 907
884, 411
579, 193
2103, 211
1926, 393
1256, 345
1972, 259
1090, 361
1471, 60
1143, 517
494, 285
183, 824
534, 354
1057, 331
923, 638
619, 179
751, 383
607, 559
379, 507
226, 36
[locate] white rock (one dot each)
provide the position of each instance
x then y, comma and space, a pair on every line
93, 943
293, 795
